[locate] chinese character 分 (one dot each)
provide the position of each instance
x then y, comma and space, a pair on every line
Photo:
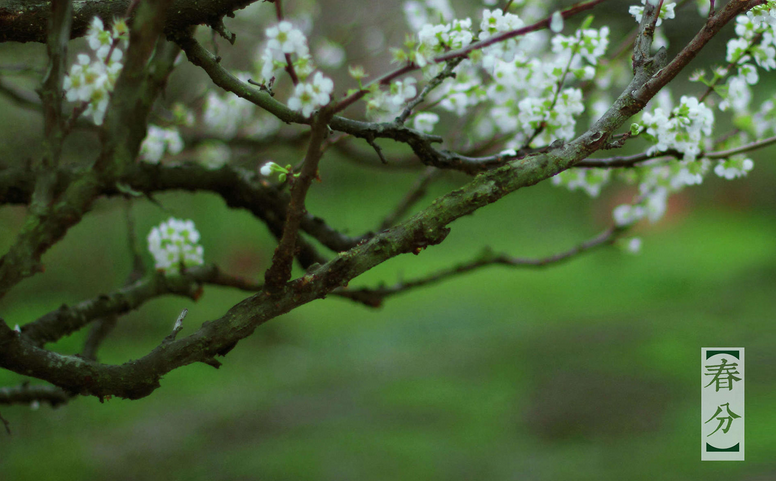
724, 375
729, 418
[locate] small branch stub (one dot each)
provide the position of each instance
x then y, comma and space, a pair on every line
176, 328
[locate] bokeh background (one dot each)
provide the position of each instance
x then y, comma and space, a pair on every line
582, 371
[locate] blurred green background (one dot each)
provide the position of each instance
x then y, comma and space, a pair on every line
581, 371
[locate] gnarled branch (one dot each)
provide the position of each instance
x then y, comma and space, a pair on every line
26, 21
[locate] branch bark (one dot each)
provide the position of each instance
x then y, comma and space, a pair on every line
26, 20
280, 271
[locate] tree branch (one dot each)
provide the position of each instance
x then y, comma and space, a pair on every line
140, 377
68, 319
51, 91
633, 160
435, 82
420, 143
26, 21
149, 61
238, 187
280, 271
27, 394
375, 296
44, 227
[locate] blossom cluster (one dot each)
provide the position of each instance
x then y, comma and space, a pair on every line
434, 40
384, 105
533, 101
283, 42
158, 141
308, 96
666, 11
91, 80
175, 245
754, 45
683, 129
524, 95
227, 115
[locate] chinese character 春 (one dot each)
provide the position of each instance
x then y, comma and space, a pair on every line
724, 375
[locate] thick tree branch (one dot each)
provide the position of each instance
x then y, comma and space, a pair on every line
26, 20
149, 61
69, 319
238, 187
51, 91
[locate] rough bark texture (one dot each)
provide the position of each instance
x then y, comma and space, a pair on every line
27, 20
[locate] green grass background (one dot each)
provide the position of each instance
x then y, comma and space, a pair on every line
587, 370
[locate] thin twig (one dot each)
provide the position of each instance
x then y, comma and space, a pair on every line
21, 97
27, 394
6, 424
374, 296
99, 331
625, 160
176, 328
723, 154
135, 253
711, 88
559, 86
280, 271
377, 149
102, 327
446, 73
289, 63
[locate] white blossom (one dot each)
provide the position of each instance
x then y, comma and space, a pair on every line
683, 129
226, 115
175, 244
329, 54
737, 166
589, 180
286, 39
91, 81
626, 214
666, 12
425, 121
159, 141
556, 22
633, 245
